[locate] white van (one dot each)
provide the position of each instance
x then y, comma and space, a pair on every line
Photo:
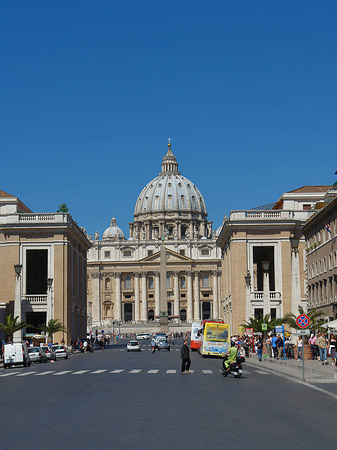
143, 336
15, 354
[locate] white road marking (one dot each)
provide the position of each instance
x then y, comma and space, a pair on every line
207, 371
80, 372
63, 372
121, 350
177, 349
135, 371
8, 374
153, 371
47, 372
25, 374
117, 371
98, 371
261, 372
246, 372
171, 371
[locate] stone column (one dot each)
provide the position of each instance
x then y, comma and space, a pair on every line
17, 336
118, 299
266, 293
144, 297
215, 295
189, 297
156, 293
196, 296
176, 311
137, 298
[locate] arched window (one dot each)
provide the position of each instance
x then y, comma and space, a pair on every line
183, 315
107, 283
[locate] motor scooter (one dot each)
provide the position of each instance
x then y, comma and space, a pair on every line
235, 368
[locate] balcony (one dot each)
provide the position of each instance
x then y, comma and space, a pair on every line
256, 298
35, 299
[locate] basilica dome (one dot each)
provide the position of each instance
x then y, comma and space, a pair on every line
113, 232
170, 191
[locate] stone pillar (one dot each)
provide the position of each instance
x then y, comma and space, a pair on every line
50, 308
196, 296
176, 311
118, 300
137, 298
156, 293
215, 295
17, 336
295, 282
144, 297
266, 293
189, 297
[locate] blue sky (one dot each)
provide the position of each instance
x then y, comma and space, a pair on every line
90, 92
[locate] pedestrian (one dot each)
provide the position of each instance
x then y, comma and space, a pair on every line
300, 348
322, 343
280, 350
312, 341
259, 349
274, 346
268, 345
185, 358
333, 344
85, 346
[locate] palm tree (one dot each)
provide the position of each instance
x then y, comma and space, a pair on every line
315, 316
256, 323
52, 327
63, 208
12, 325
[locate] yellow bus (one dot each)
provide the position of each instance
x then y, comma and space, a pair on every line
215, 339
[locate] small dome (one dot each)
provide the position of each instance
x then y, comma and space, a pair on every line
113, 232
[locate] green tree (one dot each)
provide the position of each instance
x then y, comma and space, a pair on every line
315, 316
63, 208
52, 327
12, 325
256, 323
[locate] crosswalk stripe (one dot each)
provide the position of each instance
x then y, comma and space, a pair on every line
25, 374
207, 371
261, 372
153, 371
171, 371
63, 372
135, 371
47, 372
246, 372
98, 371
117, 371
8, 374
79, 372
121, 350
177, 349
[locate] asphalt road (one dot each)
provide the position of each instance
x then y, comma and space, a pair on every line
114, 399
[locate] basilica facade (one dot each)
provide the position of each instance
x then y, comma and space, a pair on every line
124, 273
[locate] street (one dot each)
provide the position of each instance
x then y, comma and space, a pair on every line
114, 399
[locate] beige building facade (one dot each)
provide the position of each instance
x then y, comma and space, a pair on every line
124, 274
263, 257
43, 269
321, 247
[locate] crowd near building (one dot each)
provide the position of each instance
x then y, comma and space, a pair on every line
266, 260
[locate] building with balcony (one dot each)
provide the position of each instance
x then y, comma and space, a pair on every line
124, 273
263, 257
320, 233
43, 269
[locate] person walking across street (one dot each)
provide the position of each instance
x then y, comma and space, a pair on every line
185, 358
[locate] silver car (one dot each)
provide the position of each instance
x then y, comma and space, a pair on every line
50, 353
60, 351
36, 354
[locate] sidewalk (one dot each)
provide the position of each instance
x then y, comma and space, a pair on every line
314, 371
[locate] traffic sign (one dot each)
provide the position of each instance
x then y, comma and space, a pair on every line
279, 329
303, 332
303, 321
264, 327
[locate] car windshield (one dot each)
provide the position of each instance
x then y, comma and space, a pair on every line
33, 350
133, 343
58, 347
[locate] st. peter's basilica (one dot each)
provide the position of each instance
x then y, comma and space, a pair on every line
124, 274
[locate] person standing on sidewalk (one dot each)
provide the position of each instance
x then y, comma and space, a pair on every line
279, 347
274, 346
333, 344
312, 342
322, 343
259, 349
300, 348
185, 358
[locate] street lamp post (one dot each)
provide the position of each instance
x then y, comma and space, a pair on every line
50, 308
266, 303
17, 336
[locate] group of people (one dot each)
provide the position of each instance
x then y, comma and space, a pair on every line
321, 346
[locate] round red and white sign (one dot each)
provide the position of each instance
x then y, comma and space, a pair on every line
303, 321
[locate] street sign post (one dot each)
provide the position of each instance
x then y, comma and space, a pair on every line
280, 329
264, 327
303, 321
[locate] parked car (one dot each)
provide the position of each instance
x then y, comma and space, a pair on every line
133, 346
36, 354
60, 351
163, 344
50, 353
15, 354
143, 336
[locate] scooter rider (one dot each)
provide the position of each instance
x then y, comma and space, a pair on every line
232, 354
